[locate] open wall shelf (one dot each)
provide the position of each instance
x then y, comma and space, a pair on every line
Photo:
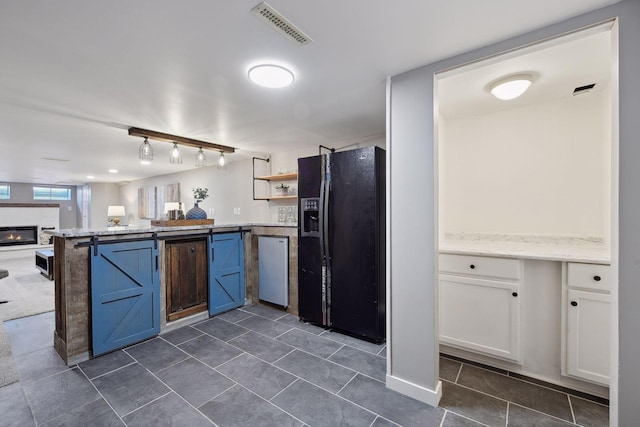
268, 178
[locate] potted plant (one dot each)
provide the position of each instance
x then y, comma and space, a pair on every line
282, 189
199, 194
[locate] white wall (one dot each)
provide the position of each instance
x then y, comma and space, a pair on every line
539, 169
228, 189
102, 196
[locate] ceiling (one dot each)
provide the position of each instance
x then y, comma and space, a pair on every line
557, 66
76, 74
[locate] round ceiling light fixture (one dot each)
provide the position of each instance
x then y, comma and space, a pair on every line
271, 75
510, 87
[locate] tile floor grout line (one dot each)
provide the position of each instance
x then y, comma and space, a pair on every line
330, 361
113, 370
505, 400
149, 402
281, 391
20, 380
571, 407
458, 375
101, 395
171, 390
273, 404
284, 315
345, 399
291, 328
347, 383
506, 423
257, 357
328, 331
186, 341
356, 371
224, 363
466, 417
279, 359
532, 383
444, 415
341, 347
222, 392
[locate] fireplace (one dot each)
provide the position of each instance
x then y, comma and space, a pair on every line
19, 235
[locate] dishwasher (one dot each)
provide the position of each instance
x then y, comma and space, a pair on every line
273, 270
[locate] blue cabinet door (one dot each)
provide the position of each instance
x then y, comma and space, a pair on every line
125, 294
226, 272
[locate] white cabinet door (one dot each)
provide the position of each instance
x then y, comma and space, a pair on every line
588, 321
481, 315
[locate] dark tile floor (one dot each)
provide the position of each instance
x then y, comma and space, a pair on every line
257, 366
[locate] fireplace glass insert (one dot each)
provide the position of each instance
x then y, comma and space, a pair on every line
19, 235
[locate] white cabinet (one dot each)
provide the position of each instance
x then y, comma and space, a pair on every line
586, 316
481, 304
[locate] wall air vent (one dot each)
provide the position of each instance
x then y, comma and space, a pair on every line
280, 23
583, 89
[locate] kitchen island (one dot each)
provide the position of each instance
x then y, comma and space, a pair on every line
147, 248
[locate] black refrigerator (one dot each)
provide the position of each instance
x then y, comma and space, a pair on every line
341, 242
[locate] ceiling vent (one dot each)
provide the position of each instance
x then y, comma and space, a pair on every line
280, 23
583, 89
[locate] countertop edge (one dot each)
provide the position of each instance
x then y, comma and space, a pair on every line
568, 255
124, 230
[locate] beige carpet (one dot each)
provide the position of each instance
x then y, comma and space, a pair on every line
27, 293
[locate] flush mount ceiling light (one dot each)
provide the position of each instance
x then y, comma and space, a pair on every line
510, 87
145, 152
174, 154
201, 159
270, 75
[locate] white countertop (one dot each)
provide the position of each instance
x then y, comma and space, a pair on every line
541, 247
110, 231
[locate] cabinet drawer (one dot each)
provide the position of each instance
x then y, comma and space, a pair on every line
502, 268
589, 276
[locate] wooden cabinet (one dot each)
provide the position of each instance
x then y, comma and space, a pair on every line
481, 305
586, 316
186, 277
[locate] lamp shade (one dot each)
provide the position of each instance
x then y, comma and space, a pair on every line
115, 211
171, 206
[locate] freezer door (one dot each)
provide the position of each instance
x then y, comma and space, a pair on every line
309, 251
356, 206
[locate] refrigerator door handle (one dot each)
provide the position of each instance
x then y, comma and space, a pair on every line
325, 220
321, 219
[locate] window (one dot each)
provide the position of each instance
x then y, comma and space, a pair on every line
51, 193
5, 192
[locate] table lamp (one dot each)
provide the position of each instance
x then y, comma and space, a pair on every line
116, 212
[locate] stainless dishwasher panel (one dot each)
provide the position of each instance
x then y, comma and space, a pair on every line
273, 270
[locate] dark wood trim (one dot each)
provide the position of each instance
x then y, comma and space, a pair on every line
187, 312
159, 136
29, 205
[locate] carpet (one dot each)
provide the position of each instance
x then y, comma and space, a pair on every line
27, 293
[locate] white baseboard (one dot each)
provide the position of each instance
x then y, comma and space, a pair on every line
423, 394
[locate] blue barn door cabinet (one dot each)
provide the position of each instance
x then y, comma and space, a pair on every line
125, 293
226, 272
